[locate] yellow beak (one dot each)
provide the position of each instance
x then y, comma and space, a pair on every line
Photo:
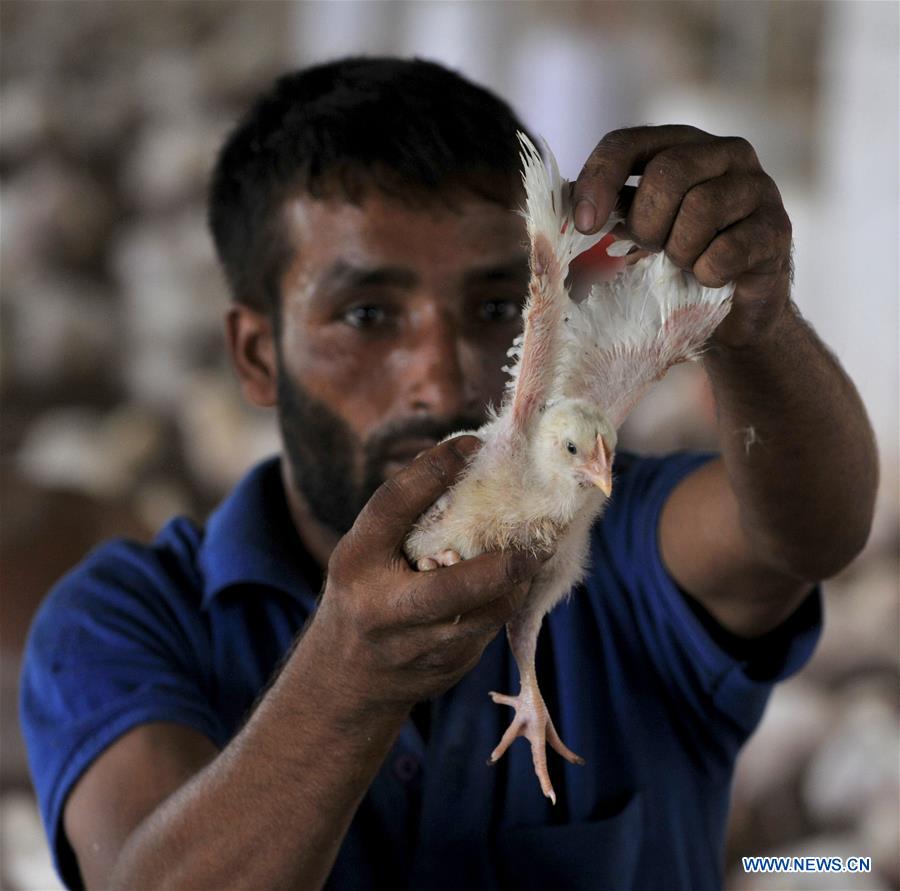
604, 484
598, 468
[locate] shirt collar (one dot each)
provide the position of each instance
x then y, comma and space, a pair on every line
250, 539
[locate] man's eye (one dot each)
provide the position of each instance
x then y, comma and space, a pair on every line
365, 316
499, 310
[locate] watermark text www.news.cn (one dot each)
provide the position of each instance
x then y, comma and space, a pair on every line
807, 864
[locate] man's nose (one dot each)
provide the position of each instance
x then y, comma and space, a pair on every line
437, 379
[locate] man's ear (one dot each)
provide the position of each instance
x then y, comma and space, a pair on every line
251, 343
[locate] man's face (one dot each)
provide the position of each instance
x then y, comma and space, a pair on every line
394, 329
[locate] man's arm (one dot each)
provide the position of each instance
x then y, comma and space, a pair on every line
792, 498
148, 813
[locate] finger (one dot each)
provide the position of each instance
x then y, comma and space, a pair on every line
709, 208
456, 590
758, 244
386, 519
669, 177
625, 200
617, 156
492, 616
762, 292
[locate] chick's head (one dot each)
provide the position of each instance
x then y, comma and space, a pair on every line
574, 446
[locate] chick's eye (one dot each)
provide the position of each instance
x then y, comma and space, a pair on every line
570, 446
499, 310
364, 316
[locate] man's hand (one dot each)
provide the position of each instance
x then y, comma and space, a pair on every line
708, 204
791, 500
383, 638
398, 635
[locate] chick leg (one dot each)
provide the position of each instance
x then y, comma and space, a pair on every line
531, 719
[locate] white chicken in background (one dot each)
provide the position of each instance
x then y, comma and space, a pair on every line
544, 471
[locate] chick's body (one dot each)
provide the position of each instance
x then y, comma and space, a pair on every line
525, 493
497, 504
543, 473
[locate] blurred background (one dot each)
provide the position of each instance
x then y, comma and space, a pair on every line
118, 408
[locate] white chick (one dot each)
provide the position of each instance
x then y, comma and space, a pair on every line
543, 473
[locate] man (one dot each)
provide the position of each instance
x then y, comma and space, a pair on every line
362, 214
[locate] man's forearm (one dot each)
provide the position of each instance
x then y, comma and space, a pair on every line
798, 448
272, 809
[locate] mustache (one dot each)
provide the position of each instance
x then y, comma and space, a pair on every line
382, 441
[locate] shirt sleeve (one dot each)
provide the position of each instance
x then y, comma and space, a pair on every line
717, 682
112, 647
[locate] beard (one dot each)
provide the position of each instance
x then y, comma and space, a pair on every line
335, 471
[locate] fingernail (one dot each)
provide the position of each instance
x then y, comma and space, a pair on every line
467, 444
585, 215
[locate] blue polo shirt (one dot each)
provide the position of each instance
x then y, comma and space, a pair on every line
191, 628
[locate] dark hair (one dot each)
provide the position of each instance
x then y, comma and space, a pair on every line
406, 127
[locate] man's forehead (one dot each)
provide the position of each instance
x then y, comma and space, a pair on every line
467, 230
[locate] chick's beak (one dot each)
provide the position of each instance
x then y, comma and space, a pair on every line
598, 468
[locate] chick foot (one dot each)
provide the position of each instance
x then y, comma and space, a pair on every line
533, 722
445, 558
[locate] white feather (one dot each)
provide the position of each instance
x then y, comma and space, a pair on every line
548, 207
627, 332
630, 330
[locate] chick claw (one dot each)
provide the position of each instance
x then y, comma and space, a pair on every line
533, 722
445, 558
